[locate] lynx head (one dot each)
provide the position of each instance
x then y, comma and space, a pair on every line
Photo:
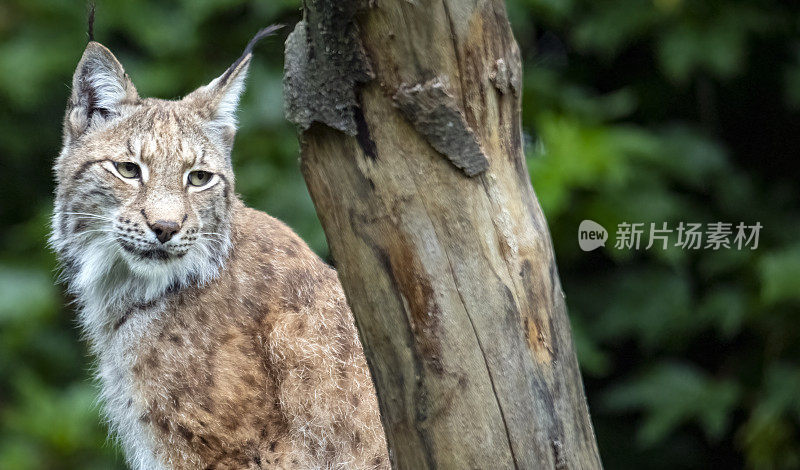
145, 187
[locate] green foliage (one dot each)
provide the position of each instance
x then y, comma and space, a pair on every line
661, 111
769, 434
671, 395
689, 357
780, 275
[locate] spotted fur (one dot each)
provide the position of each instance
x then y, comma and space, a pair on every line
230, 345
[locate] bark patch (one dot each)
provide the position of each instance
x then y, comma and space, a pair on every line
325, 61
506, 76
434, 113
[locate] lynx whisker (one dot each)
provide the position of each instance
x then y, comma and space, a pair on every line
86, 214
105, 230
216, 241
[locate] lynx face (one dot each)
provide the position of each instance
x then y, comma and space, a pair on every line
144, 186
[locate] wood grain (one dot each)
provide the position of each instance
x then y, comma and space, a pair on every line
451, 278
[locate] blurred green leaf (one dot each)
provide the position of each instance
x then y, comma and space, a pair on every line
780, 275
726, 308
652, 315
770, 435
594, 361
670, 395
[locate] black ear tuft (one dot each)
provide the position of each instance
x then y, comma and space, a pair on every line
216, 102
90, 22
261, 34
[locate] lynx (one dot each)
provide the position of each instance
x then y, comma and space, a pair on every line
222, 341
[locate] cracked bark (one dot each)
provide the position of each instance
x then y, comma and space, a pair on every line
445, 258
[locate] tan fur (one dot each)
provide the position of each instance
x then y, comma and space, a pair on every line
263, 366
231, 345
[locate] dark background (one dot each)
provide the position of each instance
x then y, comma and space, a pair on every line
634, 110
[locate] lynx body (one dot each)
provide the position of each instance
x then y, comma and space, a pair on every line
222, 341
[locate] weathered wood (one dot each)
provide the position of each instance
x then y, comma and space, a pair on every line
435, 114
446, 261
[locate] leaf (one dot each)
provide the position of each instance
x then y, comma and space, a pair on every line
726, 308
653, 317
672, 394
779, 272
769, 437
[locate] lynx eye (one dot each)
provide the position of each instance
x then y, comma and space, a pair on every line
128, 169
199, 178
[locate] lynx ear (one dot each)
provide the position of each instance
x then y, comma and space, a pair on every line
216, 103
100, 88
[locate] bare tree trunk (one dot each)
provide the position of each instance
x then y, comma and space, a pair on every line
412, 152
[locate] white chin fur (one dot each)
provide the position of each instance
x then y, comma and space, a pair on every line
106, 279
198, 266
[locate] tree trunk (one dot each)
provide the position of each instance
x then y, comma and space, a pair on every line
411, 148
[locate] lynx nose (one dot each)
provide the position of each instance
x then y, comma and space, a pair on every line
164, 229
